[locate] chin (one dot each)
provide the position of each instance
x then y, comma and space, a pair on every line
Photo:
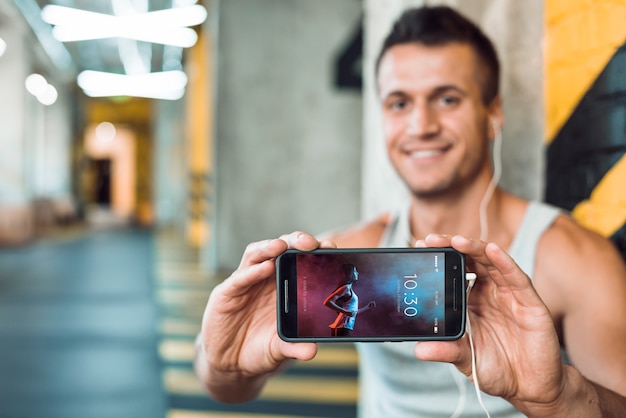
430, 191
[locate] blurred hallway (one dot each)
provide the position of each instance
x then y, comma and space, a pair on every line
101, 323
77, 328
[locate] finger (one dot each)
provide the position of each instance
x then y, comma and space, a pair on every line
327, 244
244, 277
471, 247
301, 241
492, 261
498, 263
512, 276
258, 252
437, 240
474, 250
299, 351
420, 243
454, 352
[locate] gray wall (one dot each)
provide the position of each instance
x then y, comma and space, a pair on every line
287, 143
34, 139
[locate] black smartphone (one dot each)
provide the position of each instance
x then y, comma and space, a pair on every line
377, 294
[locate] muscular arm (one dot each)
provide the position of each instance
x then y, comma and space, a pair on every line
580, 398
227, 386
582, 279
517, 347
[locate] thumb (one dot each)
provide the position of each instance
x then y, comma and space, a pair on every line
299, 351
455, 352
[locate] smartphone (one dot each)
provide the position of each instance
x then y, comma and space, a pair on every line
377, 294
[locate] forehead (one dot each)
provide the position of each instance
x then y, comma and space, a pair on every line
419, 67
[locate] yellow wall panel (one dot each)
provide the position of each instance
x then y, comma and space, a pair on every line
200, 152
605, 210
581, 38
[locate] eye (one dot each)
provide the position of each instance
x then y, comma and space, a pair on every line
397, 104
449, 100
400, 104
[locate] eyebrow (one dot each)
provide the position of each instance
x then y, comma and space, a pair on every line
435, 92
442, 89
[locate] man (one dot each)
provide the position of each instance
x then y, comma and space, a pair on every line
438, 85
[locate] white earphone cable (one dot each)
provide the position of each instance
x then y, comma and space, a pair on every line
484, 229
474, 374
495, 179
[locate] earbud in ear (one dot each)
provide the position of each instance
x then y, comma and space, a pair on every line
495, 125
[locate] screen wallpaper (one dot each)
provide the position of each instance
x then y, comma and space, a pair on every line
371, 294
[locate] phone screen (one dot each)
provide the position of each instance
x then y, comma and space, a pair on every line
377, 294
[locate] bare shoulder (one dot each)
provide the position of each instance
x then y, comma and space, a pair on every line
569, 241
582, 280
365, 234
571, 260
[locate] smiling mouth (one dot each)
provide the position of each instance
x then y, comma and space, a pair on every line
429, 153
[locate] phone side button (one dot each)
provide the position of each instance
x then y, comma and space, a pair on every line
454, 303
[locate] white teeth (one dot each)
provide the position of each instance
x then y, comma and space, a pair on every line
425, 153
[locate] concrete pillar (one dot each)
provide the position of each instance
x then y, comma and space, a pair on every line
169, 165
287, 141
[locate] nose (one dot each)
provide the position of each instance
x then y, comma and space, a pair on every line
422, 121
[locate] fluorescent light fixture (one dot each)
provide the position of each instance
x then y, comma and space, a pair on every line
166, 85
181, 37
168, 26
3, 47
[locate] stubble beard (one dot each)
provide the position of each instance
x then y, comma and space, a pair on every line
455, 185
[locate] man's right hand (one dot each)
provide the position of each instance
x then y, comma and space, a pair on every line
238, 348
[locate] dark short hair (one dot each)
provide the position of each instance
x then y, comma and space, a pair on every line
347, 273
441, 25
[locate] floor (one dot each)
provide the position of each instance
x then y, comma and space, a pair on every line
77, 334
101, 324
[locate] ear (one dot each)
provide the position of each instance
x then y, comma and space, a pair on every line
496, 117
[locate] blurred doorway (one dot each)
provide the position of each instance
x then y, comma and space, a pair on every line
109, 184
102, 180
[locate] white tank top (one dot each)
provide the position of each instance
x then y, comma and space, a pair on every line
393, 383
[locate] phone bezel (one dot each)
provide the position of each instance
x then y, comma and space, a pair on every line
287, 325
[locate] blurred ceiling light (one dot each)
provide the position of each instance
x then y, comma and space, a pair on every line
168, 26
105, 131
183, 3
37, 85
49, 96
166, 85
3, 47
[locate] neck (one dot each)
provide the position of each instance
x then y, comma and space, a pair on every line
458, 213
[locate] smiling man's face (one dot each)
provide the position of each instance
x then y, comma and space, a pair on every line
436, 124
